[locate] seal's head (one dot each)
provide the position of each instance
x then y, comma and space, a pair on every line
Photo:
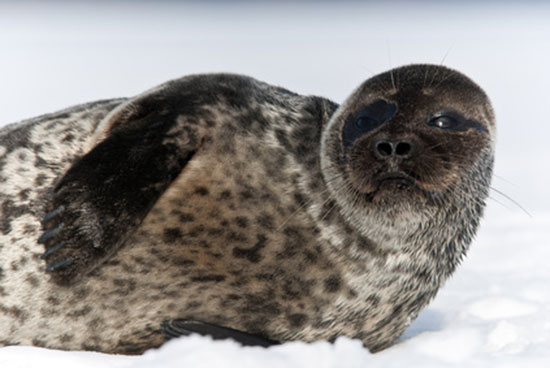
405, 145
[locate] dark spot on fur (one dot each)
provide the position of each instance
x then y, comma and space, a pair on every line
81, 292
260, 305
272, 309
266, 221
32, 279
90, 347
53, 300
125, 286
315, 185
65, 338
202, 191
328, 211
366, 246
294, 241
14, 312
236, 237
40, 180
47, 312
68, 138
214, 231
193, 305
24, 194
251, 254
208, 278
204, 244
40, 162
95, 323
216, 255
295, 288
171, 235
241, 221
310, 257
80, 312
226, 194
183, 217
332, 284
373, 300
265, 276
195, 231
289, 251
37, 342
29, 229
247, 193
283, 140
297, 319
299, 198
181, 261
10, 211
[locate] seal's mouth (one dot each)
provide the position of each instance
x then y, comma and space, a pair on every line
397, 181
394, 184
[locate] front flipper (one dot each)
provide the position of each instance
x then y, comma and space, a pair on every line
184, 327
106, 194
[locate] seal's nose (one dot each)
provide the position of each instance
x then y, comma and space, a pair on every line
385, 149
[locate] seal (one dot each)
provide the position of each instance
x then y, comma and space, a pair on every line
223, 205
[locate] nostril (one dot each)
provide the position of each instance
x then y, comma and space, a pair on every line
384, 148
403, 148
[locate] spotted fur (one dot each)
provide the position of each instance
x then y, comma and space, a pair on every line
223, 199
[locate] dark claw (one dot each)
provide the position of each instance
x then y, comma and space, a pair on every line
59, 264
50, 250
52, 214
48, 234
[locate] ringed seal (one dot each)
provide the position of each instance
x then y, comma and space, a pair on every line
220, 204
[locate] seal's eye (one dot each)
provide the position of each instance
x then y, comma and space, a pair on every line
444, 122
368, 118
453, 121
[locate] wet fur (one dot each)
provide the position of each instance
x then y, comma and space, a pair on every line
223, 199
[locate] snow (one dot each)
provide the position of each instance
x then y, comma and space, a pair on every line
495, 311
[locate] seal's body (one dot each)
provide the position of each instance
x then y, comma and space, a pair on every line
222, 199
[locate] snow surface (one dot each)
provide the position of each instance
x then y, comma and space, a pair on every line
495, 311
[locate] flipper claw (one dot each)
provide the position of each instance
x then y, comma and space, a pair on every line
51, 250
49, 234
59, 264
50, 215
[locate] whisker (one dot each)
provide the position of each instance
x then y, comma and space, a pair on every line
511, 200
496, 176
425, 76
300, 207
389, 60
447, 53
436, 72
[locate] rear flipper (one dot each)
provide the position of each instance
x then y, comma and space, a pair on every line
184, 327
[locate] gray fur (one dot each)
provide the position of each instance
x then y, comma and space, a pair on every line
263, 230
